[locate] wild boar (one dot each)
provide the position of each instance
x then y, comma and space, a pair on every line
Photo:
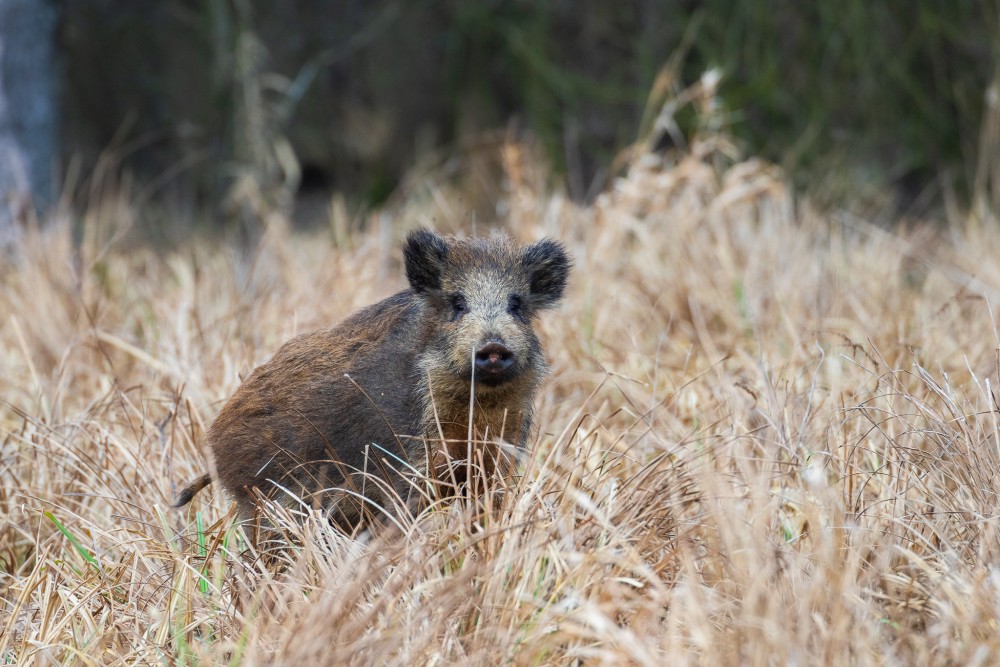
351, 418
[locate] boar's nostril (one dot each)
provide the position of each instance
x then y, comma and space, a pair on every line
493, 358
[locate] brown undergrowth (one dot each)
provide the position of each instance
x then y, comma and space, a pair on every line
769, 437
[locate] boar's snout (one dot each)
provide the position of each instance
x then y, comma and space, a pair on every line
493, 361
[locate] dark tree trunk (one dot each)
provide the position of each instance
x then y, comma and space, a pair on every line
28, 109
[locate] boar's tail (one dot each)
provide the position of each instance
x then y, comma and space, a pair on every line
185, 496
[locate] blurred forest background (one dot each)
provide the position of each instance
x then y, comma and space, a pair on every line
206, 109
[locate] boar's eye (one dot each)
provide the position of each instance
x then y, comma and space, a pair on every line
514, 306
458, 306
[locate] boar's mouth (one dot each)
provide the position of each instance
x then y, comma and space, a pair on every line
494, 379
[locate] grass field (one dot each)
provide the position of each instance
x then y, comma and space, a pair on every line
770, 437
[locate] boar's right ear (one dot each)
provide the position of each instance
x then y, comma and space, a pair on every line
548, 267
425, 254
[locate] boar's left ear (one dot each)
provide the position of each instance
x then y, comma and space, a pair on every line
425, 254
547, 266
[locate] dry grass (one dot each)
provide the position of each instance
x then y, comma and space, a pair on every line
769, 438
